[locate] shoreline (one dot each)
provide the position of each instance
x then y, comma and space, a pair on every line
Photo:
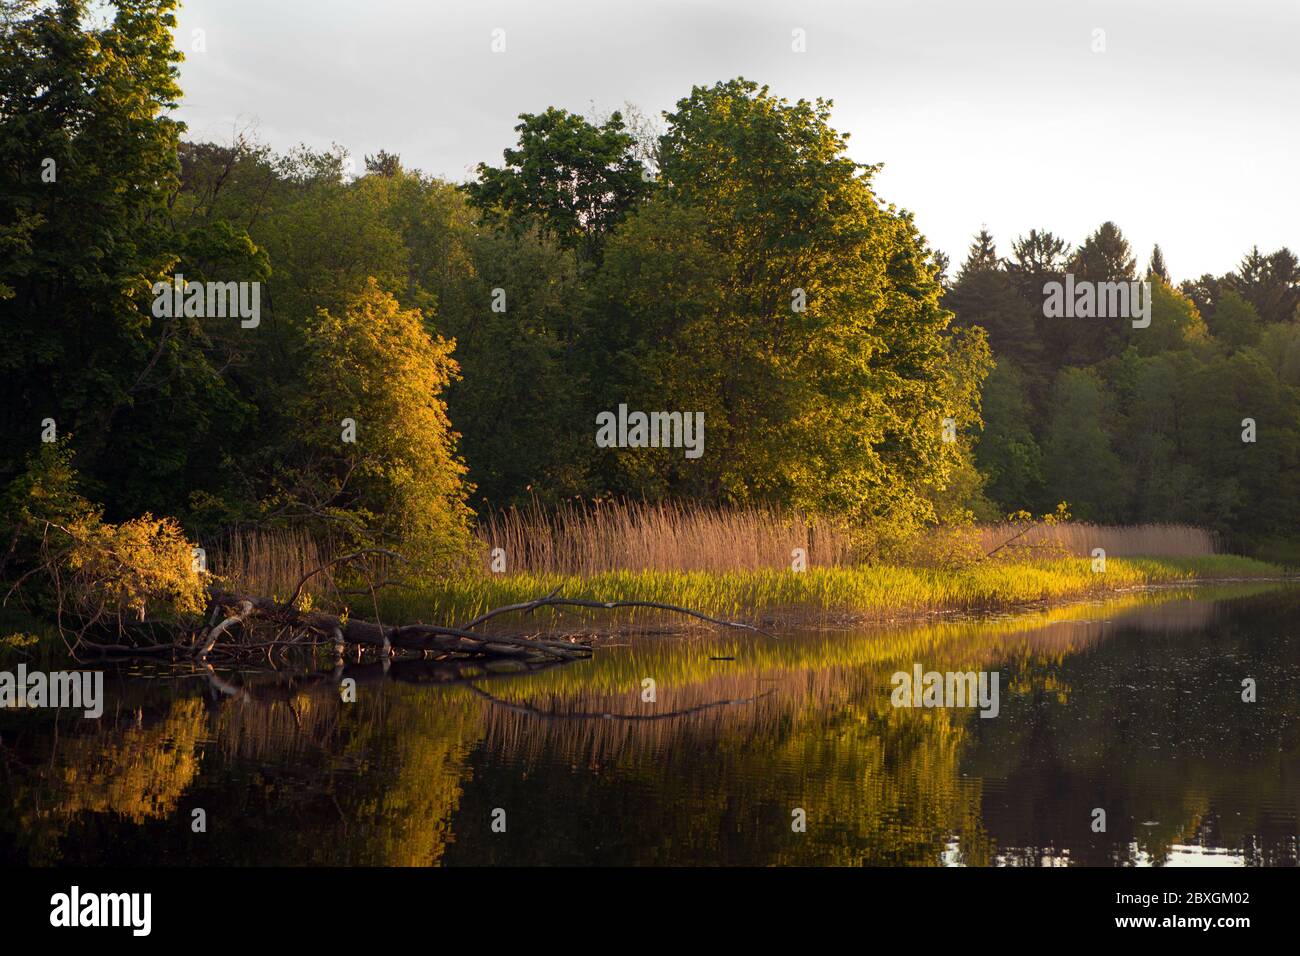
834, 598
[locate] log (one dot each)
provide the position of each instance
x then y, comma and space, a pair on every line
243, 609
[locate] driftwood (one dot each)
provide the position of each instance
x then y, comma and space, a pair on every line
552, 600
229, 612
244, 611
236, 625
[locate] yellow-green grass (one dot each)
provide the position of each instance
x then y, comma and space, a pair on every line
865, 593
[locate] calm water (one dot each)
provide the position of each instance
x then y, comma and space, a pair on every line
1133, 706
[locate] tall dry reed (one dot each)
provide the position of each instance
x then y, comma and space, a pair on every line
1078, 539
586, 539
592, 538
269, 563
602, 537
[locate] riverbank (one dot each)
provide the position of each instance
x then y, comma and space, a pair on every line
817, 596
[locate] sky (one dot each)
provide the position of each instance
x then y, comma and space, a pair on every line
1177, 119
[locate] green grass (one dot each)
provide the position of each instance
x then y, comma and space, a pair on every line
871, 593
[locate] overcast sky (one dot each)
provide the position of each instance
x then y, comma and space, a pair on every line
1185, 131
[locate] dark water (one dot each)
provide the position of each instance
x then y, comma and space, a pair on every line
1133, 706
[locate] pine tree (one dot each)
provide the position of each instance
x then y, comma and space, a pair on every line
1105, 256
982, 256
1156, 267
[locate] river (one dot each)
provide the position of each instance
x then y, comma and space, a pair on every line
706, 748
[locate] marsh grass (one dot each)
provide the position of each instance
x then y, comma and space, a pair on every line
268, 563
1079, 539
599, 537
605, 536
736, 564
870, 593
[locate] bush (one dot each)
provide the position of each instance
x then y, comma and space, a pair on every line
145, 565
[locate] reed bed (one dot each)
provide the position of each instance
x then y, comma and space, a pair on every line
592, 538
1080, 538
738, 564
871, 593
270, 562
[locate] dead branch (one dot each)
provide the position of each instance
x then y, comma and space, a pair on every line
237, 625
551, 600
248, 610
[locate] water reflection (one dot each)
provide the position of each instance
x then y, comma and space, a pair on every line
1133, 706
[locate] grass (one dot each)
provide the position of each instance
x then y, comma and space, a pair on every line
737, 564
1079, 538
590, 538
839, 594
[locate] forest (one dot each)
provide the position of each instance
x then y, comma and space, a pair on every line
423, 354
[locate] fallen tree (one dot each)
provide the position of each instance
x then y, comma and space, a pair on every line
237, 625
247, 612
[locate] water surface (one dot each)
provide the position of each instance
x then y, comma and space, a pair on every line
1133, 706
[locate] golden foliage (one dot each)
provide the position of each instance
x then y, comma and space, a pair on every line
115, 571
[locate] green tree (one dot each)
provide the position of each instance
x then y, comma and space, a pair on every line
1270, 283
1008, 453
1157, 267
1105, 256
1037, 258
1175, 323
1081, 466
573, 180
377, 456
1234, 321
767, 287
87, 161
1005, 302
982, 256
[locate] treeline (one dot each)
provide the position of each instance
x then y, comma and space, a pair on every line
424, 349
1193, 419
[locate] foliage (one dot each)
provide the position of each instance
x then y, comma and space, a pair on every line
572, 179
765, 286
110, 573
375, 365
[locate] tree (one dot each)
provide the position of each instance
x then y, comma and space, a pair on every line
1105, 256
378, 454
1081, 465
1205, 292
1175, 323
1234, 321
1279, 347
982, 256
765, 286
1037, 258
1270, 283
573, 180
1006, 306
87, 160
384, 163
1156, 267
519, 403
1008, 453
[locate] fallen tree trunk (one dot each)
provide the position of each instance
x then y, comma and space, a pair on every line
237, 624
247, 611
